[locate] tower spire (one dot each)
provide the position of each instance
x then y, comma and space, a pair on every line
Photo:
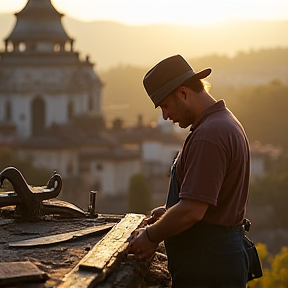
45, 36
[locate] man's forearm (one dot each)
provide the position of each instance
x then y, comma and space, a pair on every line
177, 219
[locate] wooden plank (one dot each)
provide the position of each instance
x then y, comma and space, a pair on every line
52, 239
20, 272
112, 243
104, 256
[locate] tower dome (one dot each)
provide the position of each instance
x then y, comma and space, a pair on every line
38, 28
43, 81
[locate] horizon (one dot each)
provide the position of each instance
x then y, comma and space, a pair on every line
240, 35
247, 36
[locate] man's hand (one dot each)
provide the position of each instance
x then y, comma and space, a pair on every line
177, 219
156, 214
140, 245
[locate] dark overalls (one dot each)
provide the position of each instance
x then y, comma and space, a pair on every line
205, 255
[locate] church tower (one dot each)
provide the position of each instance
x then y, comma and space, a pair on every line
42, 79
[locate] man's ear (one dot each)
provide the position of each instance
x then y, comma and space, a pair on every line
182, 92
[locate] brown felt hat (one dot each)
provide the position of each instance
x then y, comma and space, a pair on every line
167, 75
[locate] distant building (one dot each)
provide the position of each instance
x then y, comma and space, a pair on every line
260, 74
263, 156
158, 145
43, 81
51, 113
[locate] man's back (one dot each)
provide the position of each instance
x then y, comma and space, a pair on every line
214, 166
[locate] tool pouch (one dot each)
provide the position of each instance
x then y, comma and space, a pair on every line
255, 269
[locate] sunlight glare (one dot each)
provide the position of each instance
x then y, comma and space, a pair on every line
143, 12
139, 12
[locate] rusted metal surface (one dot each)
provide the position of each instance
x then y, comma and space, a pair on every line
28, 202
62, 208
58, 258
64, 258
77, 255
23, 193
92, 203
48, 240
32, 203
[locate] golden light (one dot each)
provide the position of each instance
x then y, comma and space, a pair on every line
141, 12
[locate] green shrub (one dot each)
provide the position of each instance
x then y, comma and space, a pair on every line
139, 195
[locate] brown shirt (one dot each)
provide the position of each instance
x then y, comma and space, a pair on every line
214, 166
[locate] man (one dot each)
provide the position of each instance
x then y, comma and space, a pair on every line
206, 203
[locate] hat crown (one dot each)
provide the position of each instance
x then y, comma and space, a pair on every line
167, 75
164, 72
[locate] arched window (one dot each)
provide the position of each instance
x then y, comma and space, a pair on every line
8, 111
90, 103
38, 115
22, 47
10, 46
57, 47
67, 46
70, 110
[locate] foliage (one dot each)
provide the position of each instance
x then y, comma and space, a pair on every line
34, 176
262, 111
139, 195
263, 254
260, 108
243, 60
125, 97
272, 189
280, 268
277, 274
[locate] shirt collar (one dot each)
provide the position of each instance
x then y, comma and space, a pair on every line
218, 106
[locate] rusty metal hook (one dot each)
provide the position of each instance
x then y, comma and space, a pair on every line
27, 202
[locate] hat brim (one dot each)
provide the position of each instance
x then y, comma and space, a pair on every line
164, 91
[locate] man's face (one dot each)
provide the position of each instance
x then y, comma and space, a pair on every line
175, 108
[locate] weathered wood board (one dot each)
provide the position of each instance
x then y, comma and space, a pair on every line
40, 241
104, 256
20, 272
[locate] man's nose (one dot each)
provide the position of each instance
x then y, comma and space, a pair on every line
165, 114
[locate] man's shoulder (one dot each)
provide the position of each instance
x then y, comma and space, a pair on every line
221, 124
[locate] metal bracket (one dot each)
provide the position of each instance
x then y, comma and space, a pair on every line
30, 203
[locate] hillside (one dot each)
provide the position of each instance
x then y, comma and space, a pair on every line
124, 95
110, 44
240, 54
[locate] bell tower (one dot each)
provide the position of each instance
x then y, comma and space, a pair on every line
38, 29
42, 79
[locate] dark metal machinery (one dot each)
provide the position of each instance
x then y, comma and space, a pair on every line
32, 203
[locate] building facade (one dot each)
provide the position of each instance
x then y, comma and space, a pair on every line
51, 112
43, 81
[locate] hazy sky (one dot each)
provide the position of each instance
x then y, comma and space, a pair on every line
137, 12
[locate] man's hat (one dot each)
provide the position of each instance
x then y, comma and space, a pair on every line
167, 75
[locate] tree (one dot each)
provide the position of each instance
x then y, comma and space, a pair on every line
265, 259
139, 195
262, 111
280, 268
275, 272
34, 176
272, 190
